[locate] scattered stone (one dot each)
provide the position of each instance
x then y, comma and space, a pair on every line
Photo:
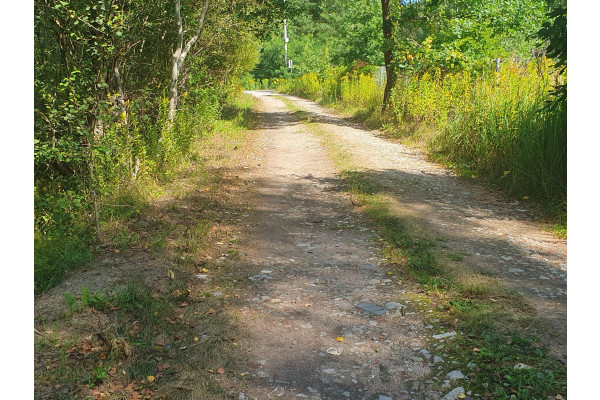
414, 386
417, 359
445, 335
242, 396
515, 270
522, 366
335, 351
346, 394
437, 359
507, 258
384, 397
259, 277
369, 266
425, 354
301, 395
471, 365
454, 375
392, 305
329, 371
370, 308
454, 393
428, 326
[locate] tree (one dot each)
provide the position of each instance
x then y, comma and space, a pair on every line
388, 55
181, 53
554, 32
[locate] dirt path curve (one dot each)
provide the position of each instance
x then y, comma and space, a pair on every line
312, 261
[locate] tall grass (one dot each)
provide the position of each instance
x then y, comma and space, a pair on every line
494, 125
499, 126
354, 91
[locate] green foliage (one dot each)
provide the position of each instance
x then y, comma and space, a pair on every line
555, 33
354, 90
499, 130
322, 34
102, 72
465, 34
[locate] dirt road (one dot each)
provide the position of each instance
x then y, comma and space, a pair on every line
323, 319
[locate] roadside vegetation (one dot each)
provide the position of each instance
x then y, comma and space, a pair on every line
113, 121
163, 327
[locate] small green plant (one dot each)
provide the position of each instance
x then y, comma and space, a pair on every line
99, 375
455, 257
71, 301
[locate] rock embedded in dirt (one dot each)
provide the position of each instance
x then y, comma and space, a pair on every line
445, 335
454, 375
370, 308
369, 266
454, 393
392, 305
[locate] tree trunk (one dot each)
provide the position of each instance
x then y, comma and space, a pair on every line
388, 55
180, 53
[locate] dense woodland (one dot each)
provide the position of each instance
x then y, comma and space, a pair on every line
123, 88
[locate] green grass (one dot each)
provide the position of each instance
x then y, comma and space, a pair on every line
492, 319
57, 252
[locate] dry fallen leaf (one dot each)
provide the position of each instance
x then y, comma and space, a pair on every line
150, 378
462, 396
164, 366
339, 339
221, 370
476, 349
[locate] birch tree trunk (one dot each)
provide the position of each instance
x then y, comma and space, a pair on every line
180, 53
388, 54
